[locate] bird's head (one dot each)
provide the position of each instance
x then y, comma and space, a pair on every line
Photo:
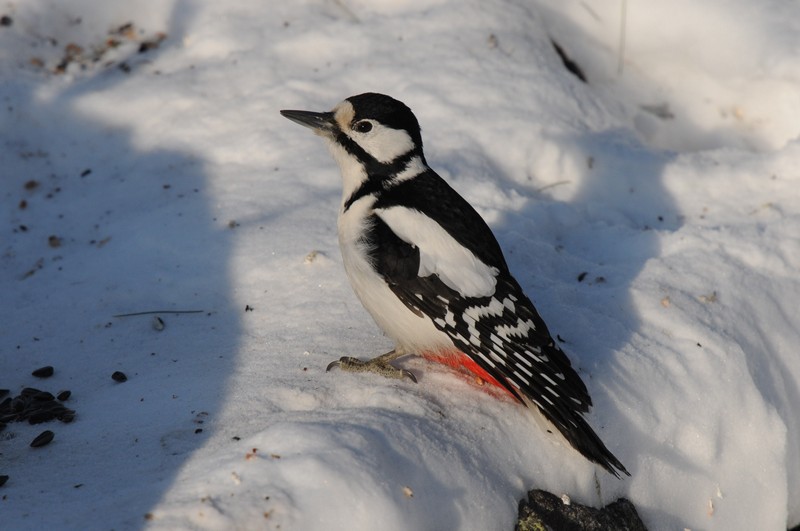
372, 128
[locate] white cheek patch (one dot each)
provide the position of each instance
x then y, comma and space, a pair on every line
384, 143
440, 254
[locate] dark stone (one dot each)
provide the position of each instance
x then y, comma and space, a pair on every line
544, 511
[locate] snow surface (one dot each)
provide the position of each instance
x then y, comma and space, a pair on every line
670, 180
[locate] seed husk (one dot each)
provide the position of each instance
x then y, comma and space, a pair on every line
119, 376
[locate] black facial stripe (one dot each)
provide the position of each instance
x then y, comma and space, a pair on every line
368, 187
379, 174
354, 149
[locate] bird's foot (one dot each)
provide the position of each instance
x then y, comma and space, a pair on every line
379, 365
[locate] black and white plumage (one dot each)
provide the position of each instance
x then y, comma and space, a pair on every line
430, 272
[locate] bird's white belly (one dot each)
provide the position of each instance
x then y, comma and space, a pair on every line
412, 332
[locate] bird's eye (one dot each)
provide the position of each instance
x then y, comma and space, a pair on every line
363, 127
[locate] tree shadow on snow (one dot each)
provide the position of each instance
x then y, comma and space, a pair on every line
134, 232
577, 259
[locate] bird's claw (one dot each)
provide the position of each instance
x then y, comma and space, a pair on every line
350, 364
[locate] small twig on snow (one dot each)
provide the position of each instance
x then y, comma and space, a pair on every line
157, 311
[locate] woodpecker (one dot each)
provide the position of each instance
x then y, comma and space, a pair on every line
428, 269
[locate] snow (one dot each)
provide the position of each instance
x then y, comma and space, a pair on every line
171, 183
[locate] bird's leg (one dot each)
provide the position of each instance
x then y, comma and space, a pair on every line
379, 365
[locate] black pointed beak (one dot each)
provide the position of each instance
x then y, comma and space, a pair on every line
320, 122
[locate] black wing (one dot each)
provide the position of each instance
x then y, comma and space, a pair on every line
430, 194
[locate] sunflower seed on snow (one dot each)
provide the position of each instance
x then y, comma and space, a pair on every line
44, 372
18, 404
42, 439
158, 323
43, 396
41, 416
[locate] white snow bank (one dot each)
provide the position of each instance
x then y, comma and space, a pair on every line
172, 183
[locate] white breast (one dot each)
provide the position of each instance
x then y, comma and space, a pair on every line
415, 334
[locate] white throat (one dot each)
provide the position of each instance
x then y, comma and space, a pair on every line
353, 172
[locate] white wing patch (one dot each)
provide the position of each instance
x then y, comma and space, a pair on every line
440, 253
